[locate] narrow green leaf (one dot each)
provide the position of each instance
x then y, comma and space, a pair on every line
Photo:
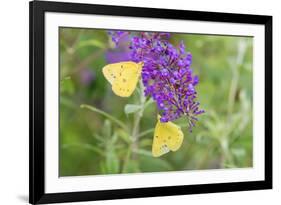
146, 142
91, 42
131, 108
143, 152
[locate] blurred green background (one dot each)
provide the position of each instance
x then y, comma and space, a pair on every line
93, 143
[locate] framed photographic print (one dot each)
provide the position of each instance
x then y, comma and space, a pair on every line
141, 102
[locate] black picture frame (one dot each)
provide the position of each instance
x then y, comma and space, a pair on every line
37, 9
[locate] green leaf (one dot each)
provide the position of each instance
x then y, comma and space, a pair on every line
143, 152
146, 142
92, 42
131, 108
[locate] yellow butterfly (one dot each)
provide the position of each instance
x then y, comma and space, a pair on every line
167, 136
123, 77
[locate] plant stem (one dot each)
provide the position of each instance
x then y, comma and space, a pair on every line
137, 119
126, 160
235, 67
226, 156
241, 50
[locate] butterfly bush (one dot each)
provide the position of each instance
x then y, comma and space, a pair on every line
166, 74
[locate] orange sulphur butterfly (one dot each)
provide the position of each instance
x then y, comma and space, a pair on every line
123, 77
167, 136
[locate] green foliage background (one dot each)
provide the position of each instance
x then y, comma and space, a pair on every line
91, 142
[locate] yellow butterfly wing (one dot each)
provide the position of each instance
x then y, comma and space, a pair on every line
123, 77
167, 136
110, 72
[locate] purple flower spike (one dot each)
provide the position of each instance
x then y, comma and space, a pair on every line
166, 75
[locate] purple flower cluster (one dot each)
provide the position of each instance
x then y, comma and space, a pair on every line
167, 75
116, 36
